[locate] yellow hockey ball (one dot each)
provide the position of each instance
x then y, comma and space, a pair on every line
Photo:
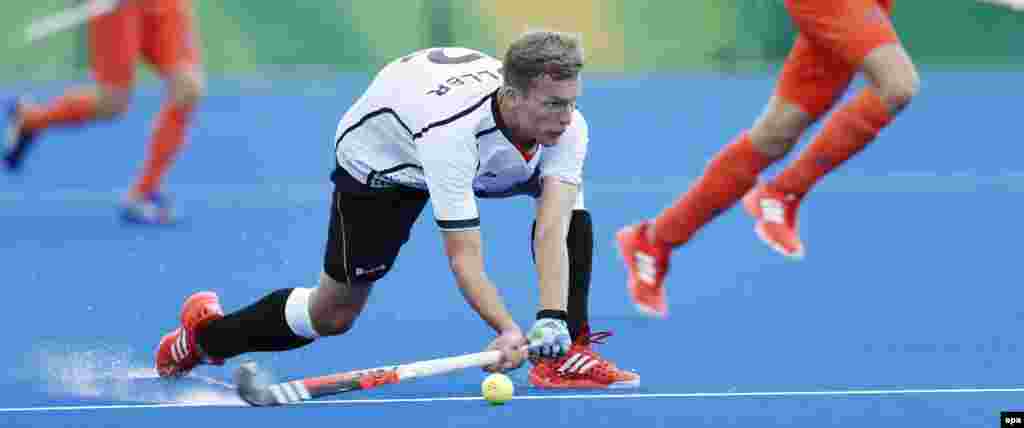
497, 388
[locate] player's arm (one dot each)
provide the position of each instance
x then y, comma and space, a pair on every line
554, 211
449, 161
465, 257
561, 176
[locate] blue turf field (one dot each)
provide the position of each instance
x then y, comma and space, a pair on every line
909, 291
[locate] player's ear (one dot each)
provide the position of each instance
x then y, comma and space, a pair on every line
513, 95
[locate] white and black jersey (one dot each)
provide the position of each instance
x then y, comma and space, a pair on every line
429, 121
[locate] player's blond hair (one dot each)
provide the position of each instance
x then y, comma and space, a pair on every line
538, 53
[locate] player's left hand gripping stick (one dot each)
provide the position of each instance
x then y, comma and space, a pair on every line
549, 337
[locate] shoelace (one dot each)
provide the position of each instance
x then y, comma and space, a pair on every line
593, 338
585, 360
597, 337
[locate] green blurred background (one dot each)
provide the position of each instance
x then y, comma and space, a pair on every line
320, 37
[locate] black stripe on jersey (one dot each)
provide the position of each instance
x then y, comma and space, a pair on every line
454, 117
369, 116
499, 122
459, 224
375, 175
486, 131
398, 167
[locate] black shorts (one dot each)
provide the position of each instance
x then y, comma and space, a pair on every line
368, 226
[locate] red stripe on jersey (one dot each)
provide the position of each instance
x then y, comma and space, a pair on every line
527, 153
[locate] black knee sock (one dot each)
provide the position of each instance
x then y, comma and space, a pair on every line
259, 327
581, 255
580, 244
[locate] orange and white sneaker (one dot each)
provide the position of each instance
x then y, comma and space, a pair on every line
178, 352
647, 263
582, 368
775, 213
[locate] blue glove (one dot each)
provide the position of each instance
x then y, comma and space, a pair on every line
549, 337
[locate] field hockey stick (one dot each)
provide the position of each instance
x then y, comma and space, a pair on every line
68, 18
1016, 5
258, 393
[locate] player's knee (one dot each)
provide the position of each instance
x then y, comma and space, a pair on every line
893, 74
779, 128
331, 314
187, 88
774, 139
112, 102
337, 304
336, 326
898, 93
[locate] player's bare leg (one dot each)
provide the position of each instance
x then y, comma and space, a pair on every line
815, 74
76, 107
646, 247
170, 45
848, 131
145, 203
731, 174
892, 75
336, 305
777, 130
113, 49
283, 320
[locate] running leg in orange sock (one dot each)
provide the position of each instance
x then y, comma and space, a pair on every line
729, 175
72, 108
168, 138
848, 131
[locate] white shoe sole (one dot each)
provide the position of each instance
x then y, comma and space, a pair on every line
796, 256
646, 310
625, 384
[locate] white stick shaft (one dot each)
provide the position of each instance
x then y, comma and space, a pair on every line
447, 365
1012, 4
68, 18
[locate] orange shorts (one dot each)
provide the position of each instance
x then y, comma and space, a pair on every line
161, 31
834, 37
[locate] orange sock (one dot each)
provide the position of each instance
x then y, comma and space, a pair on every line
729, 175
71, 108
168, 138
847, 132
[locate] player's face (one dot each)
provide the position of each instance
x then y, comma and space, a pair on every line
548, 108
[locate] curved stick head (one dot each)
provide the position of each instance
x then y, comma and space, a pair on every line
253, 385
